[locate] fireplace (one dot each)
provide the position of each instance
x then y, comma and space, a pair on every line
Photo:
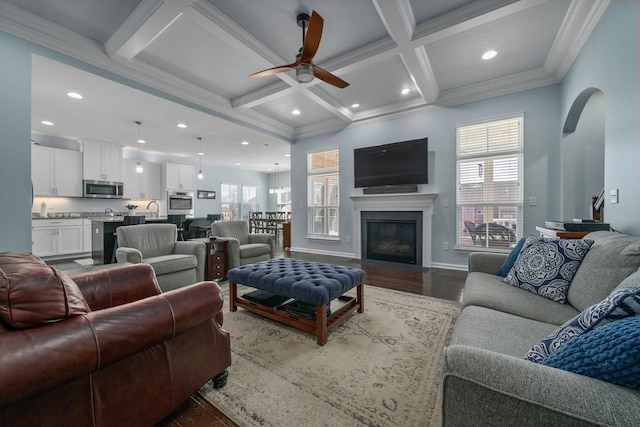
392, 236
415, 207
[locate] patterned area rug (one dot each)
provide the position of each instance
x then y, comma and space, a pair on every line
378, 368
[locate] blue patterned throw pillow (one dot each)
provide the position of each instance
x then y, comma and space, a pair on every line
620, 304
610, 353
546, 266
511, 259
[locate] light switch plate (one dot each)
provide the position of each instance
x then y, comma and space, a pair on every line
613, 196
533, 201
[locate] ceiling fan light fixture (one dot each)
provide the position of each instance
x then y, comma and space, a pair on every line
304, 73
200, 154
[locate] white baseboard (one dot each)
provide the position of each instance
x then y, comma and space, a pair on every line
446, 266
442, 265
321, 252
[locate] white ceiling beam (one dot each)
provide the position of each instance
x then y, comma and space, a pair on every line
397, 18
260, 96
147, 21
468, 17
417, 64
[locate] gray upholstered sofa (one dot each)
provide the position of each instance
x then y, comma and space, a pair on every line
486, 381
176, 263
244, 247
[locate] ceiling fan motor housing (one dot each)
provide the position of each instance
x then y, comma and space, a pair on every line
303, 19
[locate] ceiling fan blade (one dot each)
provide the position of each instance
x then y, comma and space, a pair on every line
326, 76
274, 70
312, 39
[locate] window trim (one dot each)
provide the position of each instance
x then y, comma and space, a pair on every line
485, 156
310, 194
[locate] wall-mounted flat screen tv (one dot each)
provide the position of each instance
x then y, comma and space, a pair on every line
398, 163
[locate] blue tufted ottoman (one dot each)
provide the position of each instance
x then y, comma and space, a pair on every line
310, 282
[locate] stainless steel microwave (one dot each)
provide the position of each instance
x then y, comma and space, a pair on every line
180, 203
102, 189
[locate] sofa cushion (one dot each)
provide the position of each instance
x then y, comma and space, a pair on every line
610, 353
171, 263
622, 303
546, 266
497, 331
252, 250
612, 257
488, 290
33, 293
511, 258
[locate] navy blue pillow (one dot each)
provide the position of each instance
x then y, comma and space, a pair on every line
610, 353
511, 259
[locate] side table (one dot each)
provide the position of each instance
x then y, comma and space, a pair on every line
216, 267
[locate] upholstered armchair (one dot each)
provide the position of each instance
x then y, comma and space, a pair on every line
244, 247
176, 263
103, 348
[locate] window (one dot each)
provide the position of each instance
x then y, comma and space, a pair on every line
283, 200
490, 189
324, 193
229, 201
249, 201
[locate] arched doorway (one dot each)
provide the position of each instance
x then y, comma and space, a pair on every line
583, 154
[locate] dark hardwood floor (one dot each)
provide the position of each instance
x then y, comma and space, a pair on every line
433, 282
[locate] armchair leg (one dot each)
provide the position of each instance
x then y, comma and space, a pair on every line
220, 380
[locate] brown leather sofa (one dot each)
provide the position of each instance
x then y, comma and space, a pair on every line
105, 348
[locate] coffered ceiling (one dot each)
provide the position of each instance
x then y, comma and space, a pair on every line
201, 52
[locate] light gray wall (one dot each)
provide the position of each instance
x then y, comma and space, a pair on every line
15, 133
541, 136
609, 62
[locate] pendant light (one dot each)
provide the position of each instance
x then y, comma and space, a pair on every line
277, 189
200, 153
139, 168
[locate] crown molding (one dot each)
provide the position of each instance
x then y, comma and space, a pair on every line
579, 22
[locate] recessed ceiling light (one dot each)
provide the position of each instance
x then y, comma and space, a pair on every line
405, 91
296, 112
47, 122
489, 54
200, 154
141, 141
355, 105
181, 125
244, 143
287, 155
237, 164
74, 95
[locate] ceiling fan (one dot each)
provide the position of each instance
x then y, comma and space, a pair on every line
305, 69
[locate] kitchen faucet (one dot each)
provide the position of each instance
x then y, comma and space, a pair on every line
157, 208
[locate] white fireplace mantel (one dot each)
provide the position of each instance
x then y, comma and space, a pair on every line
419, 202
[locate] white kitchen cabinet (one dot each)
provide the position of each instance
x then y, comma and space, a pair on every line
51, 237
179, 177
102, 161
56, 172
86, 235
146, 185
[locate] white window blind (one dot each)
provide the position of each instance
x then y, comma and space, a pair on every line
490, 189
324, 193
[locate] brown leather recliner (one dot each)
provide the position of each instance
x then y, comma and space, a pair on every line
104, 349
